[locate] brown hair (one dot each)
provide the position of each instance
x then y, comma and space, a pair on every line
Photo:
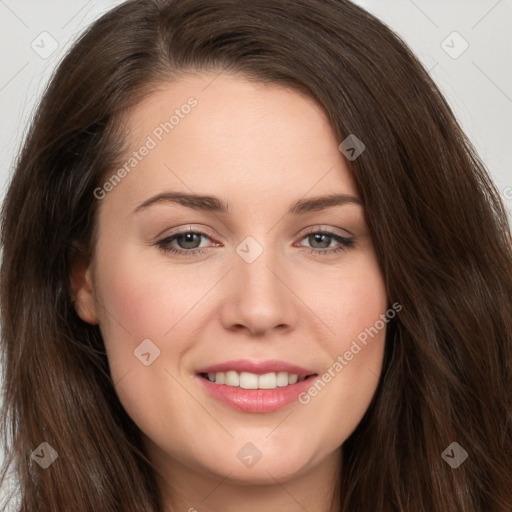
437, 221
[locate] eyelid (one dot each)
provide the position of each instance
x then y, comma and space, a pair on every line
182, 230
327, 229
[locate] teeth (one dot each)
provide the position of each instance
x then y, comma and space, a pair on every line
247, 380
268, 381
232, 379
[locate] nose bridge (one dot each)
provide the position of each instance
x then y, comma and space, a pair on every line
258, 276
260, 300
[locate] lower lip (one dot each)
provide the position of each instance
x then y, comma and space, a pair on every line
256, 400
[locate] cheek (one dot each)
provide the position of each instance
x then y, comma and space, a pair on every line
146, 295
354, 307
361, 327
141, 299
349, 300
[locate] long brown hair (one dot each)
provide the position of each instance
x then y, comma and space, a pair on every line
437, 221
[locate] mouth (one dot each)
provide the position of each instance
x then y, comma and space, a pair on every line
249, 374
255, 387
248, 380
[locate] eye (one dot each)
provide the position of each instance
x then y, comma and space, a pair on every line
188, 242
320, 242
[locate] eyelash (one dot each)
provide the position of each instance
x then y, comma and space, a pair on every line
164, 244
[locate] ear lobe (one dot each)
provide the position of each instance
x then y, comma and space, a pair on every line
82, 290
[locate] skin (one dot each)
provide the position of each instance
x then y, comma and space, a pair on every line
259, 147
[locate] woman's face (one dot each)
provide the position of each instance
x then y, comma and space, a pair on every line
270, 286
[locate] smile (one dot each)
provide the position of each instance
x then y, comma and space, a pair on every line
247, 380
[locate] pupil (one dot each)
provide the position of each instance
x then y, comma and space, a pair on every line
189, 239
326, 241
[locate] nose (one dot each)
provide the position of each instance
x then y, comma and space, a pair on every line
259, 296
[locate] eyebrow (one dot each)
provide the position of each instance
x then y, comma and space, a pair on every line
216, 205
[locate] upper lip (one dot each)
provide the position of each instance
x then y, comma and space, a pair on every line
258, 367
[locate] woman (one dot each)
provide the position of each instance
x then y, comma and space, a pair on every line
174, 337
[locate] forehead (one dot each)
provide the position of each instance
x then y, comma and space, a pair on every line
209, 133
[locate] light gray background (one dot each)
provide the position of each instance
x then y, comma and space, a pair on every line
477, 82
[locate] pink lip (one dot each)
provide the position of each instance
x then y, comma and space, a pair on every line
256, 400
257, 367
